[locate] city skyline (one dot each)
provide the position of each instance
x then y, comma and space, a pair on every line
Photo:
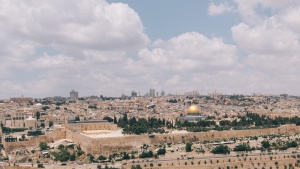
117, 46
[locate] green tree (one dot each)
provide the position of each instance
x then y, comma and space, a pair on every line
265, 144
43, 125
188, 147
109, 119
221, 149
40, 165
146, 154
37, 115
73, 157
161, 151
50, 123
43, 146
102, 158
292, 144
91, 157
126, 156
115, 120
77, 118
136, 166
23, 137
242, 147
60, 147
139, 130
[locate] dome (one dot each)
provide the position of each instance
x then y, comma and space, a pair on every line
193, 109
31, 119
38, 105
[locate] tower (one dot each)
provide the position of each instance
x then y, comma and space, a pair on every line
133, 94
152, 93
162, 93
73, 94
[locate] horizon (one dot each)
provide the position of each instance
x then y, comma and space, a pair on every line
143, 95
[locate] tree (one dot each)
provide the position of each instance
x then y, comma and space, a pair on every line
126, 156
73, 157
60, 147
45, 108
115, 120
91, 158
136, 167
242, 147
188, 147
221, 149
77, 118
37, 115
146, 154
265, 144
40, 165
102, 158
50, 123
292, 144
43, 125
109, 119
23, 137
139, 130
43, 146
161, 151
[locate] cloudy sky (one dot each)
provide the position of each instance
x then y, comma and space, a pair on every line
112, 47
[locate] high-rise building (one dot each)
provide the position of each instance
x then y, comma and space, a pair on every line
73, 94
133, 94
162, 93
152, 93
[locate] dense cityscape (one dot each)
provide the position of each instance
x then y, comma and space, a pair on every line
156, 131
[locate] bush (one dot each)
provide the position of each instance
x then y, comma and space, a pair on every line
161, 151
221, 149
40, 165
292, 144
265, 144
188, 147
43, 146
146, 154
242, 147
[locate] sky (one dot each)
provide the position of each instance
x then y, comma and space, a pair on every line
98, 47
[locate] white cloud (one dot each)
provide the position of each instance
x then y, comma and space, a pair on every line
189, 52
272, 48
83, 41
187, 56
271, 37
217, 9
81, 23
255, 12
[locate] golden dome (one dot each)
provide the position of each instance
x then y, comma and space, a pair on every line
193, 109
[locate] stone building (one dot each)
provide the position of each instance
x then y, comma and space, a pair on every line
31, 123
91, 125
193, 115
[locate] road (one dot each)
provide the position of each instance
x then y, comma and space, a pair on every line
145, 161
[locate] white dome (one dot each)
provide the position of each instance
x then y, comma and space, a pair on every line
38, 105
31, 118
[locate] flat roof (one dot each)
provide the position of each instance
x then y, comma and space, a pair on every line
88, 121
